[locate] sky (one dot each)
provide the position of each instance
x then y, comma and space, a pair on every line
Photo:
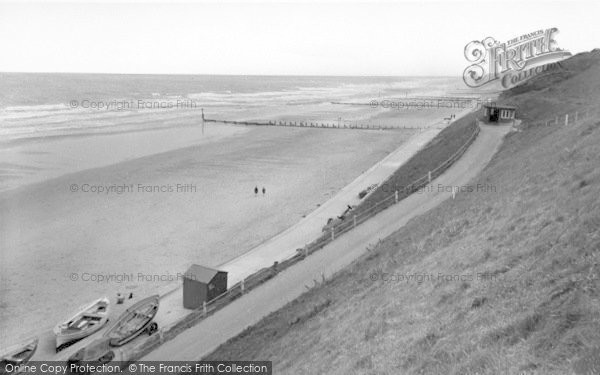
402, 38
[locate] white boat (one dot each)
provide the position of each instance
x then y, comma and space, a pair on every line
87, 320
17, 355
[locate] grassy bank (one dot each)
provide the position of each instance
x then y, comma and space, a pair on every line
503, 280
442, 147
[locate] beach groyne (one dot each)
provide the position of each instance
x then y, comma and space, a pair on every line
352, 125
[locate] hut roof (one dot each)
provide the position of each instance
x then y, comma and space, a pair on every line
494, 105
200, 273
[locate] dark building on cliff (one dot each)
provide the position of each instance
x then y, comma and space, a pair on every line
494, 113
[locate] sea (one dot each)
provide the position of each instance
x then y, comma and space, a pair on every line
49, 105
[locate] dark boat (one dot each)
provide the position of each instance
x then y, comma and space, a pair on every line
96, 353
134, 321
17, 355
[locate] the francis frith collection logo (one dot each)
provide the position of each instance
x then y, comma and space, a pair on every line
513, 61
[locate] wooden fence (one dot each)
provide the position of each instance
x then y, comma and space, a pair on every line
564, 119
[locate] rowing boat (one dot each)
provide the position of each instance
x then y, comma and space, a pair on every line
97, 352
134, 321
89, 319
17, 355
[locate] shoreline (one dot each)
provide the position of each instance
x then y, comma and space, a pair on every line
58, 156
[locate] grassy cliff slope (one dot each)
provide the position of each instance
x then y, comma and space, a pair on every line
502, 280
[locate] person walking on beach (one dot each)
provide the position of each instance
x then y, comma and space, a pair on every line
255, 191
264, 191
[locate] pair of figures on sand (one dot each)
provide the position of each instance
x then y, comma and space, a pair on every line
256, 190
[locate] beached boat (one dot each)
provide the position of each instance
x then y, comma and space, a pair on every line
17, 355
87, 320
134, 321
97, 352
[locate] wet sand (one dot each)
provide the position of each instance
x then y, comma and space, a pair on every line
35, 160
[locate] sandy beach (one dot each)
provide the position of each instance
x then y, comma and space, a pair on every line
95, 202
135, 225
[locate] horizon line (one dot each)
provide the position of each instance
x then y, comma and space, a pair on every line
237, 74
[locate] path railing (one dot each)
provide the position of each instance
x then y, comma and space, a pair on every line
168, 332
351, 222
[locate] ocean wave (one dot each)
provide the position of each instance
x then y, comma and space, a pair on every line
33, 108
297, 98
